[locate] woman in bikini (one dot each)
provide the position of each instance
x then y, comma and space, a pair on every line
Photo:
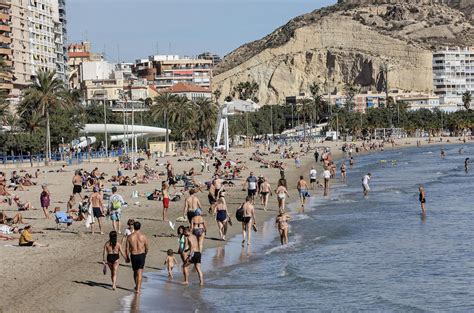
281, 193
166, 199
198, 228
111, 256
282, 224
222, 217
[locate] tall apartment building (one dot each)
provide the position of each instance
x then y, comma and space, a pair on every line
453, 73
38, 29
6, 76
168, 70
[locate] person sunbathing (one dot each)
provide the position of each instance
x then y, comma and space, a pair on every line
17, 219
22, 206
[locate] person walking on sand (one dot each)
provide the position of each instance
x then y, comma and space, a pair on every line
326, 177
248, 221
281, 193
265, 192
111, 256
97, 208
251, 183
281, 222
192, 206
77, 184
45, 199
137, 249
222, 217
302, 188
194, 257
365, 184
165, 191
199, 229
313, 176
422, 198
115, 209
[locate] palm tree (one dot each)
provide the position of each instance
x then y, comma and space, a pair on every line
44, 95
206, 117
466, 99
164, 105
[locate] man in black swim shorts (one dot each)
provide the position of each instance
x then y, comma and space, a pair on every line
136, 251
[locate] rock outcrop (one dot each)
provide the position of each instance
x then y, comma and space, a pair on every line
346, 44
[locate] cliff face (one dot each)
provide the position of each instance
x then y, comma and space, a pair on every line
343, 45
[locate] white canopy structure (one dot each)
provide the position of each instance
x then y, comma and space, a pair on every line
121, 133
148, 131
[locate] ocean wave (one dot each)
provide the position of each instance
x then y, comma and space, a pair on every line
294, 241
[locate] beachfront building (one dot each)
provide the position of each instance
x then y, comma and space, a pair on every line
190, 91
165, 71
111, 83
453, 74
210, 56
6, 76
77, 54
38, 33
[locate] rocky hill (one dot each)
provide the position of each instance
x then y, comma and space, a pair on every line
346, 44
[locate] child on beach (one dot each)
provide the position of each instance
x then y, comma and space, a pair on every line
45, 200
170, 263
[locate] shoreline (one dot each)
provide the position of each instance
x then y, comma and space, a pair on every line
174, 301
72, 262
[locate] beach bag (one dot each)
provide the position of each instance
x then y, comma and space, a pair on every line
239, 214
116, 203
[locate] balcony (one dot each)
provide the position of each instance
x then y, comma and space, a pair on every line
5, 51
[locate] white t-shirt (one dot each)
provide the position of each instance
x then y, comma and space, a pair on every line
326, 174
366, 180
313, 174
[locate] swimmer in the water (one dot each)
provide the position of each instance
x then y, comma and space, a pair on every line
466, 165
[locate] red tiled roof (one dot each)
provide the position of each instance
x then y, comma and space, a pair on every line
183, 87
79, 54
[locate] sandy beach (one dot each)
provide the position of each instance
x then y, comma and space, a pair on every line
67, 275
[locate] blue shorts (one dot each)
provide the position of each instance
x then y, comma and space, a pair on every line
115, 216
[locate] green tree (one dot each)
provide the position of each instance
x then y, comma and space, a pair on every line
466, 99
206, 117
164, 105
44, 96
246, 91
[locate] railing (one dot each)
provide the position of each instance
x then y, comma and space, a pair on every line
75, 158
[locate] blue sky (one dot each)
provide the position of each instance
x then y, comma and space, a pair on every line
137, 28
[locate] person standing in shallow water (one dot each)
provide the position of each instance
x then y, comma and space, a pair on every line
422, 198
466, 165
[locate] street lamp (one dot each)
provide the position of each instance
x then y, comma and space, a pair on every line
105, 131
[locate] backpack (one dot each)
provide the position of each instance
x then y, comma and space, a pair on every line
116, 203
239, 214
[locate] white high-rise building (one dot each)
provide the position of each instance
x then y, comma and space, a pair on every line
453, 73
38, 40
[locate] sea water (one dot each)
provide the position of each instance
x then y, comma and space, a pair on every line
349, 252
376, 253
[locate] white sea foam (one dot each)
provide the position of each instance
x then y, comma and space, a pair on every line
296, 239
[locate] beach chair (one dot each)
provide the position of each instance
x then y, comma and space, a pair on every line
62, 218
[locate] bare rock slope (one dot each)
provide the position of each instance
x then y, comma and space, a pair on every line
347, 44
